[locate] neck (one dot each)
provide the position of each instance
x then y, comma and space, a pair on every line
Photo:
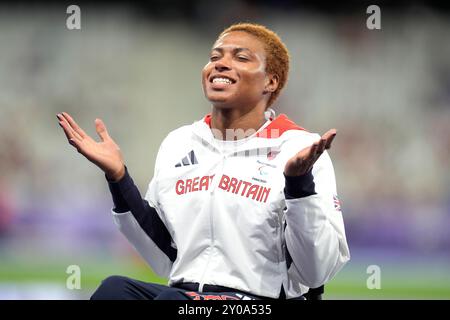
235, 124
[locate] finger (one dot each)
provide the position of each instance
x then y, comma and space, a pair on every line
314, 154
330, 140
313, 149
68, 131
76, 144
321, 147
101, 130
68, 127
70, 137
316, 151
74, 125
329, 136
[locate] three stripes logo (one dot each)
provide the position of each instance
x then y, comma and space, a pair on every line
188, 160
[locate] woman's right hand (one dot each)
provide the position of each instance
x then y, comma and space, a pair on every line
105, 154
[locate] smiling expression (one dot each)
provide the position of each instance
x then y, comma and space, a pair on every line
235, 75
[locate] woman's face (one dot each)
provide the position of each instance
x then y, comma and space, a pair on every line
235, 75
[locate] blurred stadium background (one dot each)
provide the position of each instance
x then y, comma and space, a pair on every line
138, 68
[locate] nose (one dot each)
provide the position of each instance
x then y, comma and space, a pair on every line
222, 65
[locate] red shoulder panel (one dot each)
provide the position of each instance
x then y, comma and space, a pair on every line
275, 129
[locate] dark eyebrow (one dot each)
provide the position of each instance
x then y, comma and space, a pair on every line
235, 50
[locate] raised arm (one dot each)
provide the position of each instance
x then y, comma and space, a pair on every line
314, 233
135, 217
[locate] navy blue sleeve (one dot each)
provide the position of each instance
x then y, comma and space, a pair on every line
120, 205
299, 186
126, 197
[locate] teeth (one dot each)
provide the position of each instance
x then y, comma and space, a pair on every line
222, 80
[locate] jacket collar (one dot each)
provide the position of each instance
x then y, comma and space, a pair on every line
268, 135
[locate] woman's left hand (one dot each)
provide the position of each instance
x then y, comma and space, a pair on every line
304, 160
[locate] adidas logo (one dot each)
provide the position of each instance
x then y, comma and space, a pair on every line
187, 160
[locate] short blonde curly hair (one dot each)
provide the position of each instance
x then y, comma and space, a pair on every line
277, 55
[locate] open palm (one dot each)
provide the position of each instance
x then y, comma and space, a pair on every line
105, 154
304, 160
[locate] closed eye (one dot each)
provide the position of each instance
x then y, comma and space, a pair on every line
243, 58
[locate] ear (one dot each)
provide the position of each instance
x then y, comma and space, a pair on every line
272, 81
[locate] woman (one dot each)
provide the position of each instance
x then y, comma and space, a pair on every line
242, 205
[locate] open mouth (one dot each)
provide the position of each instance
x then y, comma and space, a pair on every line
221, 79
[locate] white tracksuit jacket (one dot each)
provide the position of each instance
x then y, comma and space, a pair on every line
230, 223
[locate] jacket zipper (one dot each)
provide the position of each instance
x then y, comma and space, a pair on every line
211, 223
